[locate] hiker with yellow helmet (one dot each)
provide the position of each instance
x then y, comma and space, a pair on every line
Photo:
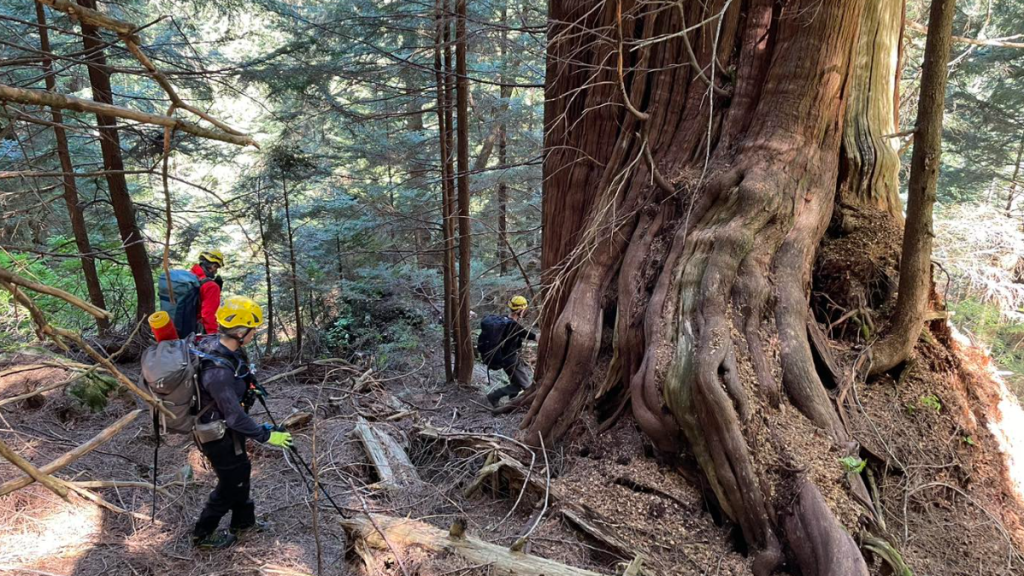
210, 262
501, 338
223, 423
191, 297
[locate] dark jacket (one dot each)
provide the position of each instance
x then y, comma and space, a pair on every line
225, 388
512, 341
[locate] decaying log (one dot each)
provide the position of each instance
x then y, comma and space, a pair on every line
404, 533
394, 469
297, 420
53, 484
72, 456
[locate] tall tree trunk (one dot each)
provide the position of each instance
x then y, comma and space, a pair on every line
465, 360
446, 190
110, 144
261, 212
506, 93
75, 214
916, 262
449, 115
291, 263
1011, 194
685, 221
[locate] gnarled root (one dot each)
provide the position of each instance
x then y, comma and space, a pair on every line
819, 544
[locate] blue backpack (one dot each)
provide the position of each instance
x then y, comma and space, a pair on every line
185, 309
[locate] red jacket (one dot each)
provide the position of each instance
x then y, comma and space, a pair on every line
209, 301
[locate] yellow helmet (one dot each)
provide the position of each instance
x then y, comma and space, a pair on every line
517, 303
239, 312
214, 256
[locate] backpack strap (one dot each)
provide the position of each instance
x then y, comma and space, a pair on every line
219, 360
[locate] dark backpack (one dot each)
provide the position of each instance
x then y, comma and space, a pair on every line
491, 339
185, 309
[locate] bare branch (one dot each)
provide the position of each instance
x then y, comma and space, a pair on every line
43, 98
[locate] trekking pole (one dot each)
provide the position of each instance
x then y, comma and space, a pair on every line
298, 457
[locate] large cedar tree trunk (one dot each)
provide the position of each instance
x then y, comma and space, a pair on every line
110, 144
680, 228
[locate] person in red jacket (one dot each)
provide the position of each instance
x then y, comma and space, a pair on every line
210, 262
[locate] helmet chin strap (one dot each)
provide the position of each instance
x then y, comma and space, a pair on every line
236, 338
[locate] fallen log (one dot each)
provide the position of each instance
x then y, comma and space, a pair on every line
297, 420
394, 468
70, 457
402, 533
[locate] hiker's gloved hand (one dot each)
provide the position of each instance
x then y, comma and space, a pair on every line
258, 389
280, 439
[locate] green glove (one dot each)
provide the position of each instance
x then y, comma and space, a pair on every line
280, 439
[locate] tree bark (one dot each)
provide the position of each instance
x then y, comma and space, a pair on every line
916, 263
75, 213
685, 221
464, 360
291, 264
449, 115
1011, 194
447, 233
869, 166
117, 186
261, 212
506, 93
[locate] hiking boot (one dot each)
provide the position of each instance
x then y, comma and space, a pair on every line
215, 541
494, 398
244, 532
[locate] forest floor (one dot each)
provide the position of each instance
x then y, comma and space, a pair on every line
946, 490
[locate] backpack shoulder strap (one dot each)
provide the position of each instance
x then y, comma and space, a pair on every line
219, 360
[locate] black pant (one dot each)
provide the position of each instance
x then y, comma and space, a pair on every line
518, 380
232, 491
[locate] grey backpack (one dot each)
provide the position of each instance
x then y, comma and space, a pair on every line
170, 372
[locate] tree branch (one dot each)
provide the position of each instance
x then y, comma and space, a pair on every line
994, 42
36, 474
43, 98
8, 276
